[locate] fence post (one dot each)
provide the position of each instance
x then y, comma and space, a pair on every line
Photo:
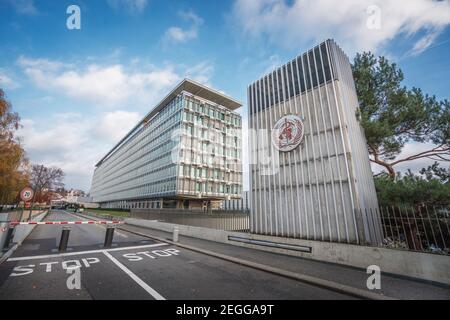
424, 228
439, 227
431, 227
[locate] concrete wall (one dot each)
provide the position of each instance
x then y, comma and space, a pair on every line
22, 232
217, 219
423, 266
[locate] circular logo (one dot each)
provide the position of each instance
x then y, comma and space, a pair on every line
26, 194
287, 133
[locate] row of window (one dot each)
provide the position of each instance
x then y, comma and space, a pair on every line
196, 172
144, 163
187, 186
212, 129
123, 151
206, 121
192, 157
158, 188
206, 145
149, 138
132, 205
155, 175
213, 111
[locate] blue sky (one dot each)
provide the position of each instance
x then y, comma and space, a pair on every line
79, 91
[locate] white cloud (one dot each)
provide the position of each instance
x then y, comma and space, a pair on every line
130, 6
25, 7
113, 126
111, 85
302, 22
62, 141
6, 81
201, 72
75, 142
180, 35
424, 43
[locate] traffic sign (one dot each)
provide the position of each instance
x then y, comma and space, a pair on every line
26, 194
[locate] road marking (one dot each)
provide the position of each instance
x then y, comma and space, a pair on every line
160, 253
85, 252
138, 280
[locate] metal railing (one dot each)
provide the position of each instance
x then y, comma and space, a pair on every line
420, 228
216, 219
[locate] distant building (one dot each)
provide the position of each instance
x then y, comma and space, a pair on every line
185, 153
73, 195
310, 170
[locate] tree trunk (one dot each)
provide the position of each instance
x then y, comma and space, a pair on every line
391, 171
389, 168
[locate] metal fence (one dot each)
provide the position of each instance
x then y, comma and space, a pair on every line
420, 228
216, 219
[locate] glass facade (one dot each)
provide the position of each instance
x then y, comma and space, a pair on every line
210, 153
190, 149
142, 166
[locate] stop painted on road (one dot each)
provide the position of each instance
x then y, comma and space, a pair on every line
139, 256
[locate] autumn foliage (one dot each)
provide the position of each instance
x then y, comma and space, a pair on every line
13, 164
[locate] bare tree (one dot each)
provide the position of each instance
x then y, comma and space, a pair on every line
45, 178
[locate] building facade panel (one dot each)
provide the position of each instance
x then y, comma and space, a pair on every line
312, 191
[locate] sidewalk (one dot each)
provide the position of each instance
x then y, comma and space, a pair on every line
392, 286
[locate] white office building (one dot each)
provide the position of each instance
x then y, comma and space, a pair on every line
185, 153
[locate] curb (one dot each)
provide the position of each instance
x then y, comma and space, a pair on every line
326, 284
8, 253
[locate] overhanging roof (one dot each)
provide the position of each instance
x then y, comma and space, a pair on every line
192, 87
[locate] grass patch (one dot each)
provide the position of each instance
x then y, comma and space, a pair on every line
123, 214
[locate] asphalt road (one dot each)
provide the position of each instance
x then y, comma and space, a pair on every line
134, 268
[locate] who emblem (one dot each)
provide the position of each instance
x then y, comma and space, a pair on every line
288, 133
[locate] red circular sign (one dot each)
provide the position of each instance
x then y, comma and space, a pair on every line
26, 194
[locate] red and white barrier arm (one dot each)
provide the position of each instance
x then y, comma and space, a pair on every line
16, 223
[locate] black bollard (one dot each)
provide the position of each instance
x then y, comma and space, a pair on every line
9, 237
109, 236
64, 239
